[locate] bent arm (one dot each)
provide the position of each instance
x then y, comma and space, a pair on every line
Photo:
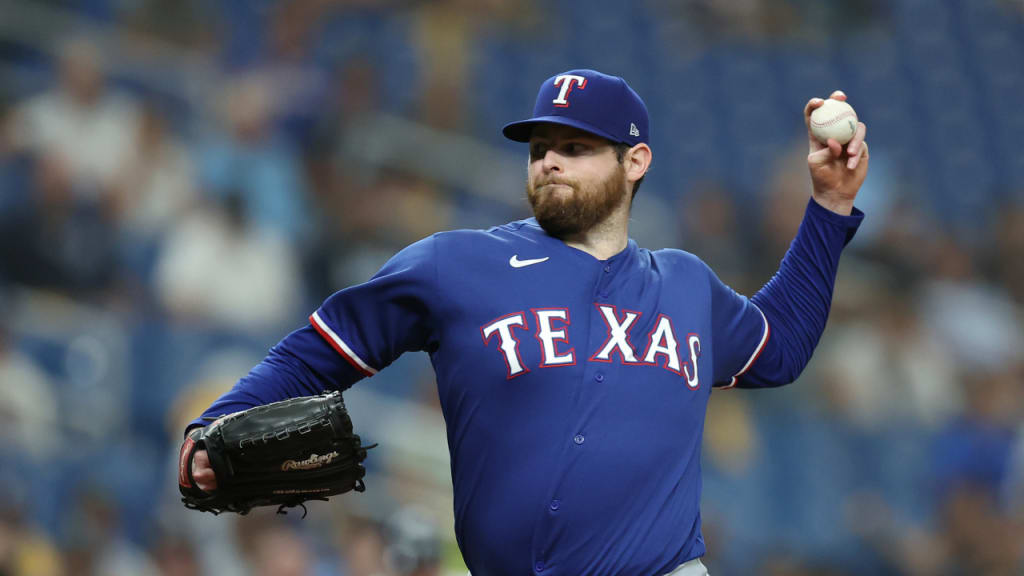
302, 364
796, 301
354, 333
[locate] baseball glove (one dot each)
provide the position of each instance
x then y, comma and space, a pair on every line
280, 454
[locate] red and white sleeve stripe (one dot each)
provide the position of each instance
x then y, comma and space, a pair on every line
755, 354
340, 346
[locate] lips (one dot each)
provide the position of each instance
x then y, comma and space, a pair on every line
556, 183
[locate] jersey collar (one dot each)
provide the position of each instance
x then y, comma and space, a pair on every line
623, 259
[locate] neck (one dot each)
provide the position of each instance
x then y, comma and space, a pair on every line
605, 239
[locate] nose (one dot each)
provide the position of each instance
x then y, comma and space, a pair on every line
551, 162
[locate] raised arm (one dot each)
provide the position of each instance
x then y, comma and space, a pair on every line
793, 306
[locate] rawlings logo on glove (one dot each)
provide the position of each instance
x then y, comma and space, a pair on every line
281, 454
310, 463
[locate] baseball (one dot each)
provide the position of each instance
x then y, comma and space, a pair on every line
834, 119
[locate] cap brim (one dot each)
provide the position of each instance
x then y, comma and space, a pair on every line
520, 131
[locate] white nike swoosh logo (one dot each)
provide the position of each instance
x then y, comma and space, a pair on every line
515, 262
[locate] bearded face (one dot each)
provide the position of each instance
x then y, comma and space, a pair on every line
566, 206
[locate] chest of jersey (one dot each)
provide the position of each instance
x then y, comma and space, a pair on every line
553, 316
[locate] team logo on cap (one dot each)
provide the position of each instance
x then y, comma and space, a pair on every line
566, 82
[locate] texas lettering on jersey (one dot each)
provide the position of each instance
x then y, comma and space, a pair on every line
661, 344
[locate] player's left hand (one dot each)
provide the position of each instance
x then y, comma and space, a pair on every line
837, 171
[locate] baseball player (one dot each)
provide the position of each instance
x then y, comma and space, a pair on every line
574, 367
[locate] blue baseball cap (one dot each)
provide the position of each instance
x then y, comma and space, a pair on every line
591, 101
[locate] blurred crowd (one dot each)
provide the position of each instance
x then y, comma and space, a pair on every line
182, 183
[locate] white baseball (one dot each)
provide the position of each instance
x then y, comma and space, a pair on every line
834, 119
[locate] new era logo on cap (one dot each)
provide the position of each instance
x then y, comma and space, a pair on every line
589, 100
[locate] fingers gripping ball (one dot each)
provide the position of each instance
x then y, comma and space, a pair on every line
834, 119
281, 454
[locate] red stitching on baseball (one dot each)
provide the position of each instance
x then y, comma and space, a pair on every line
845, 114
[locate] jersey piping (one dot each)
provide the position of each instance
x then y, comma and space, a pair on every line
755, 354
340, 346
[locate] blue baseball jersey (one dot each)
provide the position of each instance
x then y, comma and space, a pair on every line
573, 389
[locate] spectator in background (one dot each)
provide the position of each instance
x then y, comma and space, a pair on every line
787, 188
335, 178
360, 542
973, 472
979, 536
771, 20
53, 241
713, 231
156, 189
782, 564
176, 557
24, 552
974, 530
975, 450
398, 209
365, 212
186, 23
1009, 251
1013, 495
80, 135
28, 403
412, 543
14, 166
880, 365
300, 85
83, 131
277, 549
446, 34
98, 546
219, 268
975, 321
248, 157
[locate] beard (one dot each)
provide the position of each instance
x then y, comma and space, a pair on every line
587, 206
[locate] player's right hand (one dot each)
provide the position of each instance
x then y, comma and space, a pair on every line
193, 459
836, 172
202, 472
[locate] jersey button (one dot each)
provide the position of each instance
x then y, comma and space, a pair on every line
607, 268
539, 566
555, 505
599, 377
604, 295
578, 438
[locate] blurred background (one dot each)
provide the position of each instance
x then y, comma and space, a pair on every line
183, 182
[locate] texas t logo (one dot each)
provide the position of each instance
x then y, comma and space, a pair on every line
566, 82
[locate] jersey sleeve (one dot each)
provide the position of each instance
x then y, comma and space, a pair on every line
355, 332
739, 332
796, 301
371, 324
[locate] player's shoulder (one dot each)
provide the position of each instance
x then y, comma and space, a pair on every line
511, 233
676, 258
515, 228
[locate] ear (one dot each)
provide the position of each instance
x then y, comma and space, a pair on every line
637, 162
